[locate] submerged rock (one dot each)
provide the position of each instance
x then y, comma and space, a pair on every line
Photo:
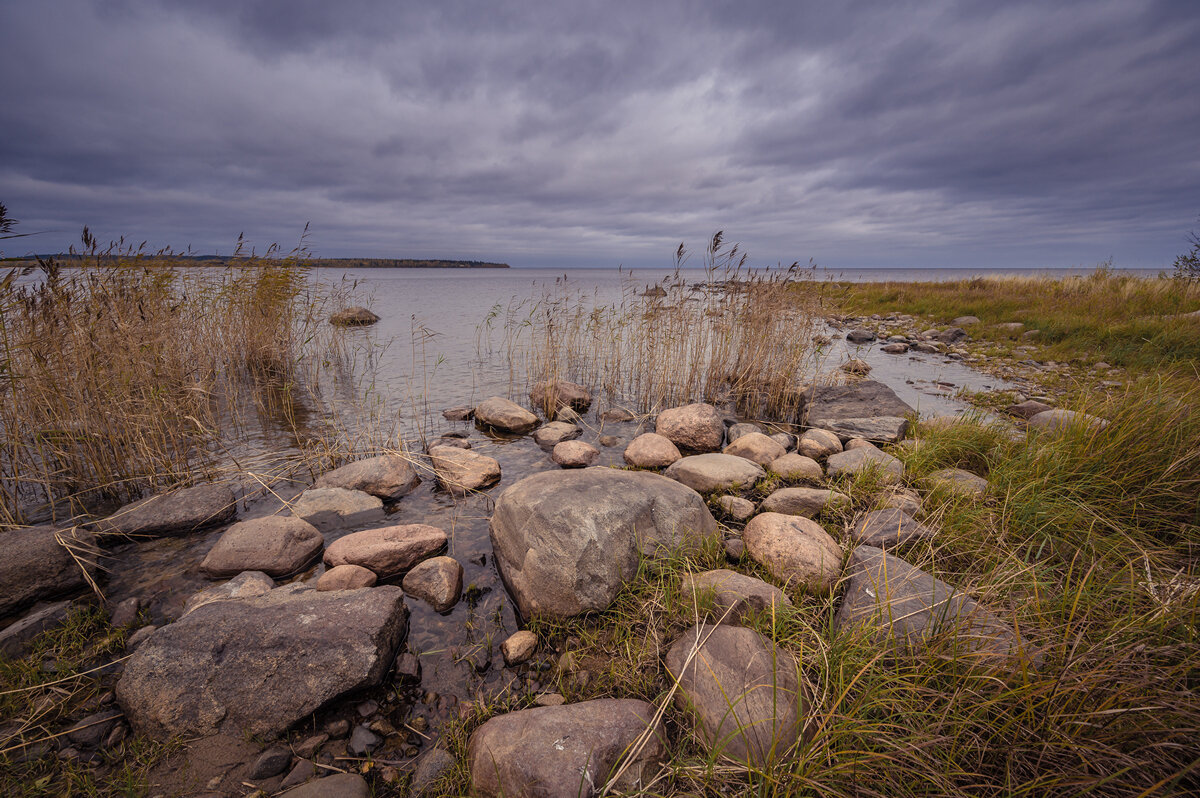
575, 454
330, 509
461, 471
554, 395
174, 513
353, 317
549, 435
387, 476
386, 551
500, 414
437, 580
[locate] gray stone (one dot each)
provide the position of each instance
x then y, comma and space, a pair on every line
89, 732
965, 321
387, 551
807, 502
500, 414
437, 762
353, 317
126, 612
864, 399
37, 564
330, 509
881, 429
566, 541
17, 636
796, 550
956, 480
1028, 409
247, 584
342, 785
860, 336
818, 443
784, 439
735, 549
707, 473
301, 772
460, 471
519, 647
894, 349
276, 545
736, 507
551, 396
856, 366
907, 606
363, 741
575, 454
458, 413
863, 459
346, 577
174, 513
140, 636
437, 580
695, 427
1061, 420
951, 335
651, 450
548, 435
733, 595
569, 750
271, 762
738, 430
388, 476
744, 693
883, 528
258, 665
797, 468
756, 447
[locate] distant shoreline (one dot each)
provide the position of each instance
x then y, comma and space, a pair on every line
221, 260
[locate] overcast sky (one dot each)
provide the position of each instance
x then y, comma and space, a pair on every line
972, 134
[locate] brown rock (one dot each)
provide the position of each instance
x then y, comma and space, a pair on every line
276, 545
797, 468
549, 435
353, 317
796, 550
756, 447
696, 427
437, 580
856, 366
386, 551
651, 450
818, 443
575, 454
550, 397
519, 647
1028, 409
807, 502
736, 507
707, 473
330, 509
346, 577
37, 565
500, 414
862, 459
461, 471
175, 513
956, 480
387, 476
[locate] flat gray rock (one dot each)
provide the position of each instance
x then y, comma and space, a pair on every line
864, 399
711, 472
879, 429
387, 476
330, 509
342, 785
568, 750
37, 565
176, 513
276, 545
855, 461
259, 665
733, 594
807, 502
548, 435
889, 527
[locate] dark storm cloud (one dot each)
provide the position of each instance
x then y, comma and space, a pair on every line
860, 133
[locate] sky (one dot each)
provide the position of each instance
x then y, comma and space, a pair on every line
940, 133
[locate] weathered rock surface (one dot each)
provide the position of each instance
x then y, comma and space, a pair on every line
550, 397
890, 527
353, 317
36, 565
744, 693
247, 584
276, 545
902, 499
651, 450
461, 471
818, 443
796, 550
736, 431
806, 502
1059, 420
711, 472
696, 427
432, 766
330, 509
386, 551
175, 513
881, 429
860, 336
575, 454
617, 414
908, 606
757, 448
733, 594
499, 413
797, 468
388, 476
15, 637
568, 750
864, 399
736, 507
863, 458
548, 435
346, 577
565, 541
894, 349
437, 580
1028, 409
342, 785
518, 647
961, 482
259, 665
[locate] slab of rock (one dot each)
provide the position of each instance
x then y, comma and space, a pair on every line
37, 565
733, 594
437, 580
756, 447
894, 349
707, 473
881, 429
1059, 420
342, 785
388, 476
353, 317
259, 665
860, 336
386, 551
17, 636
176, 513
346, 577
862, 459
796, 550
907, 606
276, 545
549, 435
818, 443
554, 395
1027, 409
890, 527
864, 399
245, 585
461, 471
744, 693
500, 414
330, 509
519, 647
575, 454
797, 468
566, 541
964, 483
696, 427
806, 502
568, 750
651, 450
736, 431
736, 507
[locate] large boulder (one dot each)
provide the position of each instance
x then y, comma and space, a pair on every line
711, 472
756, 447
461, 471
907, 606
553, 395
259, 665
386, 551
863, 399
796, 550
880, 429
570, 750
651, 450
329, 509
38, 564
744, 693
174, 513
566, 541
696, 427
500, 414
733, 594
276, 545
388, 476
807, 502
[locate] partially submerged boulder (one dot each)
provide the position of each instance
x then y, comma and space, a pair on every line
461, 471
38, 564
500, 414
695, 427
330, 509
549, 435
711, 472
575, 454
553, 395
247, 584
386, 551
796, 550
388, 476
259, 665
353, 317
437, 580
276, 545
176, 513
566, 541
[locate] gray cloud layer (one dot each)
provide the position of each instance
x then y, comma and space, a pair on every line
859, 133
